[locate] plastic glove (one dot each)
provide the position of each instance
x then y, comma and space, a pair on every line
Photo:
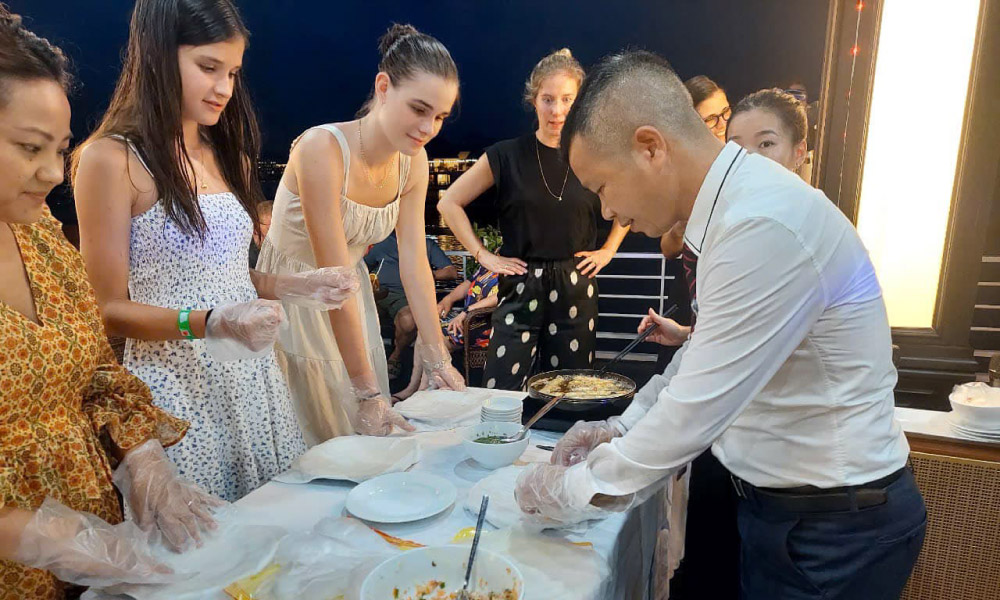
582, 437
375, 415
237, 331
324, 289
160, 500
436, 362
82, 549
542, 493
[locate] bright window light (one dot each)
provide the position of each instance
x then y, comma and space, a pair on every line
918, 104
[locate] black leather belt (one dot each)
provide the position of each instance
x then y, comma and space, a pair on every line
809, 499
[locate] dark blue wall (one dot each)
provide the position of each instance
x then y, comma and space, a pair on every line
312, 61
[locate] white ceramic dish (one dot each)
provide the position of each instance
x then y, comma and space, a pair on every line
506, 415
401, 497
975, 432
494, 456
399, 577
977, 406
503, 404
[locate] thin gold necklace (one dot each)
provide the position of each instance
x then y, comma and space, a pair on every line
204, 177
364, 163
542, 171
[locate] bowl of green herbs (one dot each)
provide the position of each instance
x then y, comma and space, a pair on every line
485, 443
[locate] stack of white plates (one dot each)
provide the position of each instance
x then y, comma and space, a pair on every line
502, 409
976, 411
972, 432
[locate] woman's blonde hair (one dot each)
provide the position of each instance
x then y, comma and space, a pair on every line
558, 61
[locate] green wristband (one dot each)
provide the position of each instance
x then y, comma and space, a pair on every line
184, 324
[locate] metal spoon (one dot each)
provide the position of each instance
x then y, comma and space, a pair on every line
463, 594
538, 415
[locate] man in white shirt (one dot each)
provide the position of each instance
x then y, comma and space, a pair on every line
787, 374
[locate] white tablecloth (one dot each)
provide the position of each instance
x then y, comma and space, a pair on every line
627, 541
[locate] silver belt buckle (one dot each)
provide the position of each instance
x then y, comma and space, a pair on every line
738, 486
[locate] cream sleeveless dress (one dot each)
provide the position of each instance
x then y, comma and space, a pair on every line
307, 351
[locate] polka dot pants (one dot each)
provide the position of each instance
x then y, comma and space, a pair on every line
546, 320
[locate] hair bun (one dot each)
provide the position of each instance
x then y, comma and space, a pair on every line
564, 52
394, 34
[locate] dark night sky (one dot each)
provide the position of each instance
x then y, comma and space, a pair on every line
313, 61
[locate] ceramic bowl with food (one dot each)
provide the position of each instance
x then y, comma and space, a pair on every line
977, 405
437, 573
482, 442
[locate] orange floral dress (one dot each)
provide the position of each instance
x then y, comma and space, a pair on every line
66, 405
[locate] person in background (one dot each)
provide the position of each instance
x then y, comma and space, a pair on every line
771, 123
347, 186
73, 422
478, 293
264, 223
712, 105
383, 259
548, 221
167, 191
798, 90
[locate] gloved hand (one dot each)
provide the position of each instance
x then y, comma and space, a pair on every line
542, 493
436, 362
236, 331
82, 549
323, 289
160, 500
582, 437
375, 415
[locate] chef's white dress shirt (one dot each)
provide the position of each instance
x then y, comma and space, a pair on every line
788, 374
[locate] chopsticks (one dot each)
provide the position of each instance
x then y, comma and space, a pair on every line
638, 340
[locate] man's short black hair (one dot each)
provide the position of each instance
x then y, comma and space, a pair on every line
624, 89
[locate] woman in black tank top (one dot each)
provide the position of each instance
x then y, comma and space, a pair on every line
547, 316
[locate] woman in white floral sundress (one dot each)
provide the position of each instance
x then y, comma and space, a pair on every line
166, 196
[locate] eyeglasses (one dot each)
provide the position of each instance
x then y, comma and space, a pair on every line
799, 95
713, 120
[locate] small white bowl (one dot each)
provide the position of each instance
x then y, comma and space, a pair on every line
503, 404
494, 456
400, 576
977, 405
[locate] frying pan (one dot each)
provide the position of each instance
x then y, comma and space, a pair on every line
578, 405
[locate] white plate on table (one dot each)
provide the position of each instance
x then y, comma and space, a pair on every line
401, 497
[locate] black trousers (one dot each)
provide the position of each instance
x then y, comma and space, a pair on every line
860, 554
546, 319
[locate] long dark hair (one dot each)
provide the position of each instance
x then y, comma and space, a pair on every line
146, 107
27, 57
405, 51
